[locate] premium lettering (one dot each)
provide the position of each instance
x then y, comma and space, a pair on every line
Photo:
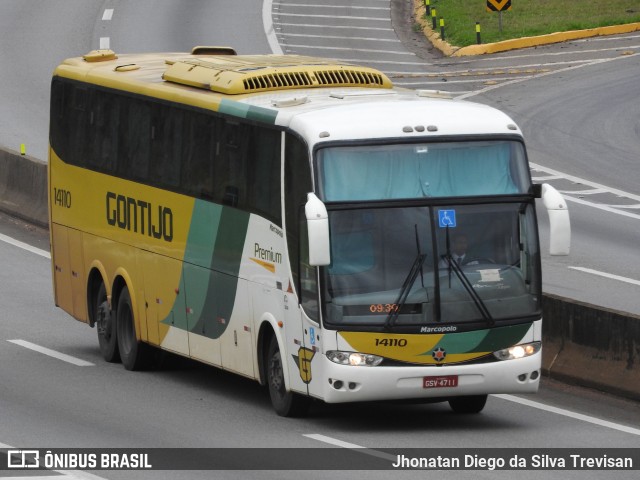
267, 254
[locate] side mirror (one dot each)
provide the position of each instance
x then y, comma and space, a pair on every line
318, 228
559, 224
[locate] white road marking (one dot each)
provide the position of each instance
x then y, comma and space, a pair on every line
24, 246
633, 207
551, 72
391, 62
306, 35
267, 25
591, 191
540, 53
582, 181
569, 413
105, 43
348, 17
616, 209
606, 39
599, 206
349, 27
352, 7
52, 353
351, 446
108, 14
449, 81
331, 441
353, 49
547, 178
606, 275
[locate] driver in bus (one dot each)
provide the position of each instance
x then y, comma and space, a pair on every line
459, 254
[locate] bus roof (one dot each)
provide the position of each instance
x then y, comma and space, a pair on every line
322, 99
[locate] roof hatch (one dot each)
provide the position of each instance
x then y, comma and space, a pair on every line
259, 73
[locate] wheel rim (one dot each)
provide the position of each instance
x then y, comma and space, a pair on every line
103, 318
276, 377
125, 319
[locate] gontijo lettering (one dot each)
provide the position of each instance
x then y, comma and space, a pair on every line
130, 214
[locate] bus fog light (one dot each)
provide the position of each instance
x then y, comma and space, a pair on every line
354, 358
518, 351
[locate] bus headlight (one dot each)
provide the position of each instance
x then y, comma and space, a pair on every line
518, 351
354, 358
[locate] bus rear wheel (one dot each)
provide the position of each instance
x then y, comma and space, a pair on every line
134, 354
286, 404
470, 404
105, 325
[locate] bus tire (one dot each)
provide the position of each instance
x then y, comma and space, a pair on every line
286, 404
105, 325
470, 404
134, 354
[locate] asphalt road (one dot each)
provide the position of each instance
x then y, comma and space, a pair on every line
47, 402
578, 107
576, 102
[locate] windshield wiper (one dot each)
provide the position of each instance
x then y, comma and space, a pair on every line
404, 290
482, 307
453, 265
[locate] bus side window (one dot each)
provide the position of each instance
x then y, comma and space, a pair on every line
308, 274
297, 184
200, 137
58, 120
166, 143
103, 131
230, 173
263, 173
77, 123
135, 133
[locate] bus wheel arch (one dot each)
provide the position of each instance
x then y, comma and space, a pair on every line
101, 315
135, 354
285, 402
264, 339
95, 281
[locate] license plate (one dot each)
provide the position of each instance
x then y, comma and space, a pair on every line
443, 381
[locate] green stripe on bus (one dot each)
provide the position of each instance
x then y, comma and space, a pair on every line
488, 340
211, 267
224, 271
249, 112
504, 337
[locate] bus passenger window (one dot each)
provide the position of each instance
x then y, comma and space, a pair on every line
135, 133
308, 276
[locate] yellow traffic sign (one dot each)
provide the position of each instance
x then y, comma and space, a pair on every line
498, 5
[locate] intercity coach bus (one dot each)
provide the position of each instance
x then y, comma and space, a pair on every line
298, 221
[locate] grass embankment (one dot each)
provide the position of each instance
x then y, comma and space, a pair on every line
529, 18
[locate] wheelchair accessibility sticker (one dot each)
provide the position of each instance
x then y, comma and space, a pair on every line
447, 218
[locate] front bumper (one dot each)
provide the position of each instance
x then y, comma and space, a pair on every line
344, 383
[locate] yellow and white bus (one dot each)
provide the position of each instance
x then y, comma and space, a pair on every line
297, 221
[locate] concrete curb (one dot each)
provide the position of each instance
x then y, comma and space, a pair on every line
513, 44
23, 187
591, 346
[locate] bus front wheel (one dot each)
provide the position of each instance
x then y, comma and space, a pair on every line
286, 404
134, 354
470, 404
105, 325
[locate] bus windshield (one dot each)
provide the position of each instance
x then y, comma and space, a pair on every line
494, 247
431, 262
410, 170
